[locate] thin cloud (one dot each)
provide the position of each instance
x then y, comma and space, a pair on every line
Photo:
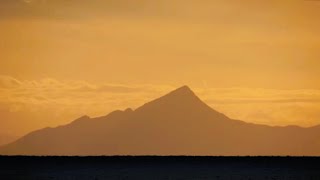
8, 82
248, 101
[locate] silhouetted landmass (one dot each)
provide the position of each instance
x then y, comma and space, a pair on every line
178, 123
156, 167
6, 138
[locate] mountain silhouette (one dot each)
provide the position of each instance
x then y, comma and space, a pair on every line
178, 123
7, 138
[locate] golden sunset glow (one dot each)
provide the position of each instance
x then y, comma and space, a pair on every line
258, 61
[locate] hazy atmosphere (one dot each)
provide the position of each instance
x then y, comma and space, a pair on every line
257, 61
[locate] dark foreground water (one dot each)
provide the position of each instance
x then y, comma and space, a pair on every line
155, 167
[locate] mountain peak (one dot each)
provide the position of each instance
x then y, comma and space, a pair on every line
182, 93
181, 98
183, 89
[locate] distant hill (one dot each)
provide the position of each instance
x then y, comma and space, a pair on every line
6, 138
178, 123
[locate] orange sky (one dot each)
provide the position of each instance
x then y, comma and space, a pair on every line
256, 60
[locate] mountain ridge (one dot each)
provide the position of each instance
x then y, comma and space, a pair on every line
178, 123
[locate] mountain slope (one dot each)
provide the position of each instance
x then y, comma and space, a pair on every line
178, 123
7, 138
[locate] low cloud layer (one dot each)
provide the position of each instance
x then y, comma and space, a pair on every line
28, 105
